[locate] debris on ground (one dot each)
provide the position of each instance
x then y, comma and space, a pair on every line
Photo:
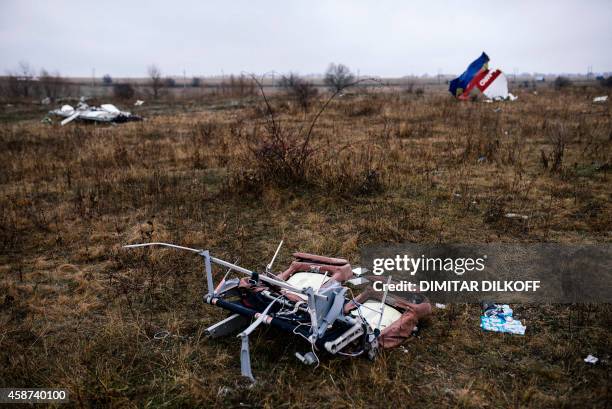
103, 113
441, 306
498, 318
478, 80
46, 101
308, 300
516, 216
603, 98
138, 103
591, 359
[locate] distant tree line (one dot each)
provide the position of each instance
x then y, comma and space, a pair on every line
23, 82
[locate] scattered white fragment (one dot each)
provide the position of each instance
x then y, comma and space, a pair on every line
441, 306
591, 359
358, 271
46, 101
516, 216
512, 97
138, 103
71, 118
603, 98
357, 281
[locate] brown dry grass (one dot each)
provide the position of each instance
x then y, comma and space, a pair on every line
77, 311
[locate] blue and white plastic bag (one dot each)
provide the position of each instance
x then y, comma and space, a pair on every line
499, 318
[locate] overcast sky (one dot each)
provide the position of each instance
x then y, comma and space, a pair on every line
378, 37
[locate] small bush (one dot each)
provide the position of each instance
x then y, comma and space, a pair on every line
170, 82
606, 82
123, 91
562, 82
107, 80
300, 89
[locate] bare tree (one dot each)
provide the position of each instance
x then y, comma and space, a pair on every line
25, 76
338, 77
51, 85
156, 79
302, 90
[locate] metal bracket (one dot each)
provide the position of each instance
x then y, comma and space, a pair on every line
227, 326
245, 358
208, 269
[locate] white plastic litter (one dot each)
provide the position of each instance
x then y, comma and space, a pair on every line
440, 306
357, 281
359, 271
591, 359
603, 98
138, 103
516, 216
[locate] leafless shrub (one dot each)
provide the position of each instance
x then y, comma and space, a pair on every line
557, 136
123, 91
155, 79
20, 83
562, 82
303, 91
283, 155
338, 77
241, 86
51, 85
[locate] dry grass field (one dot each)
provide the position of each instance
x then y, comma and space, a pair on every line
78, 311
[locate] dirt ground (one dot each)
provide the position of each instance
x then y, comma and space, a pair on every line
78, 311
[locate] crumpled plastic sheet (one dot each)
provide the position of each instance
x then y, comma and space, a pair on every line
500, 319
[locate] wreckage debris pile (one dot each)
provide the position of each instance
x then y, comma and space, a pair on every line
104, 113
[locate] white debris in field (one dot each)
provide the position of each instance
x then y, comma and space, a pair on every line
138, 103
603, 98
512, 97
357, 281
516, 216
591, 359
46, 101
359, 271
441, 306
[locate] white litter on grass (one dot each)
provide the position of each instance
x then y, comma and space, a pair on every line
138, 103
358, 271
441, 306
591, 359
603, 98
357, 281
516, 216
